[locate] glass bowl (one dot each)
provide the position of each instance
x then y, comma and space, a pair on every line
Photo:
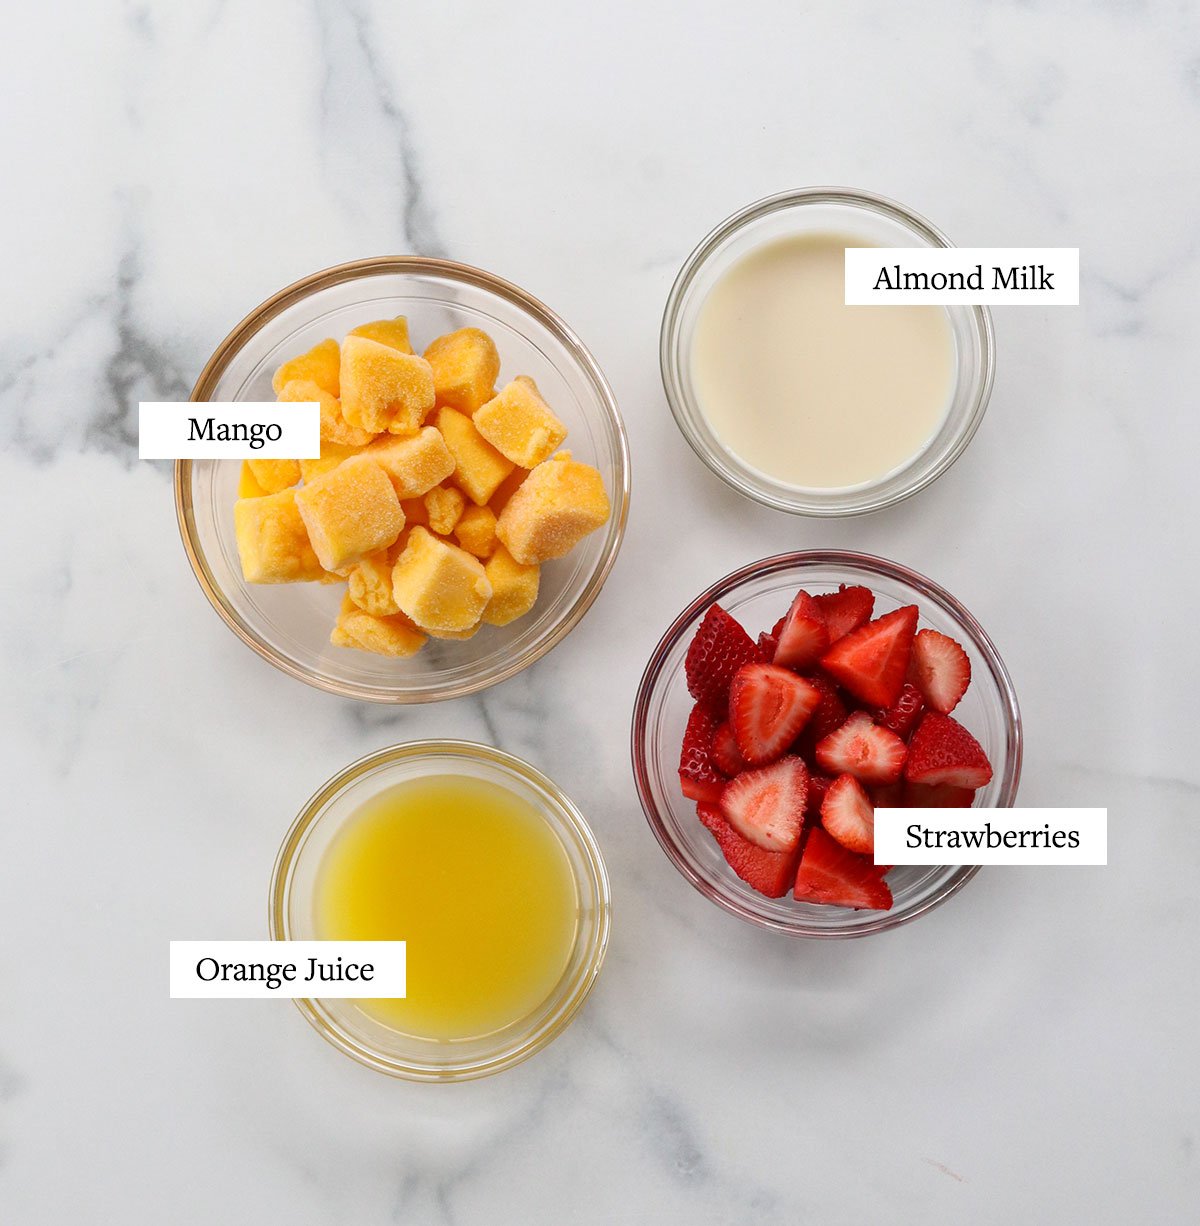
758, 595
364, 1038
289, 624
839, 210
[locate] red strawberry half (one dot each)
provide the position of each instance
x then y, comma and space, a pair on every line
902, 715
767, 708
941, 670
943, 751
862, 749
871, 661
720, 647
848, 815
769, 872
830, 874
846, 609
698, 776
804, 637
766, 805
725, 752
829, 713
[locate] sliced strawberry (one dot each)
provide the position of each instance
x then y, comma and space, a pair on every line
830, 874
829, 713
901, 717
768, 706
871, 661
698, 776
769, 872
862, 749
818, 785
766, 805
943, 751
725, 752
848, 815
937, 796
720, 647
804, 636
846, 609
941, 670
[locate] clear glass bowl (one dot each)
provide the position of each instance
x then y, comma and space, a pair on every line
839, 210
758, 595
289, 624
292, 917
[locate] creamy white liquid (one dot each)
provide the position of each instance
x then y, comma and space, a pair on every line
810, 391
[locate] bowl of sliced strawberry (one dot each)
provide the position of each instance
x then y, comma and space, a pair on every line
789, 701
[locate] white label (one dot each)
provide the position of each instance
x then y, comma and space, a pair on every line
260, 970
224, 430
991, 836
991, 276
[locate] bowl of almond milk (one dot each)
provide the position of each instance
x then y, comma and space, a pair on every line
799, 401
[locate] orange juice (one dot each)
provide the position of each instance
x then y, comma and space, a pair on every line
476, 882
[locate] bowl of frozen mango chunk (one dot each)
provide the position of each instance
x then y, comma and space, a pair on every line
470, 496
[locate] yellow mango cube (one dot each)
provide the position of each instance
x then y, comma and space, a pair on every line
415, 462
321, 364
384, 389
476, 531
478, 467
248, 486
514, 588
443, 507
272, 540
275, 475
438, 585
392, 332
331, 456
458, 635
350, 512
393, 635
335, 430
370, 585
465, 365
520, 424
558, 504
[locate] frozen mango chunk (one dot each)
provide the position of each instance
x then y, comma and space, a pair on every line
465, 365
370, 585
438, 585
478, 467
350, 512
392, 332
393, 635
275, 475
443, 507
384, 389
458, 635
272, 540
331, 456
335, 429
520, 424
321, 364
476, 531
558, 504
414, 462
248, 486
514, 588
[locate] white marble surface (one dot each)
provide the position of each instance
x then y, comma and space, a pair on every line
1028, 1052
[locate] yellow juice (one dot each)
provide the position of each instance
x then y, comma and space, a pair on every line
473, 878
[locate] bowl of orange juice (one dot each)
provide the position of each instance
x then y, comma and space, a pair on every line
485, 869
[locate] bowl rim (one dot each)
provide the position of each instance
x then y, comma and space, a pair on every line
575, 992
862, 500
338, 274
866, 564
